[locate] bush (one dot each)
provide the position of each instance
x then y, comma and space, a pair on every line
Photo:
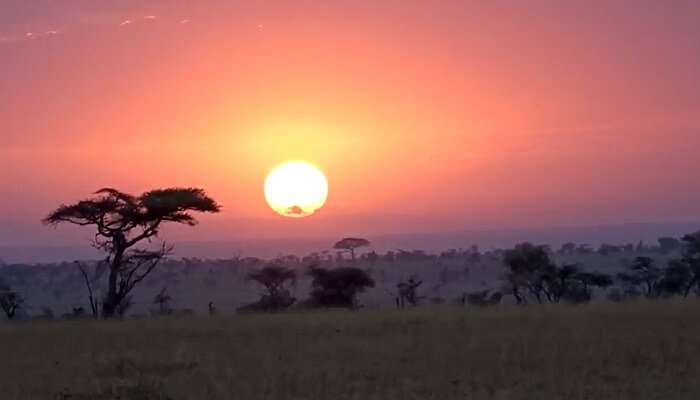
337, 287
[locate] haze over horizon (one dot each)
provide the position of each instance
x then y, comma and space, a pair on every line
72, 245
424, 117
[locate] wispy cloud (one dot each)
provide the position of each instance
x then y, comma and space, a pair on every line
29, 36
104, 19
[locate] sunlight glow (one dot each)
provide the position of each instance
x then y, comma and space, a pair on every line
296, 189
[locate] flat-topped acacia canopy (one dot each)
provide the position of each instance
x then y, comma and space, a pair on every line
122, 221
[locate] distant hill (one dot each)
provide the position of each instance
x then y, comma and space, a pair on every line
485, 239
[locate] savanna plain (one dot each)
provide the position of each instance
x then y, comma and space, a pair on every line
637, 349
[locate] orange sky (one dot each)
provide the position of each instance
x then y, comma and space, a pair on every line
425, 115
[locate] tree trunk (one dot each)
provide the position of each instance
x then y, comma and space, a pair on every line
109, 305
91, 298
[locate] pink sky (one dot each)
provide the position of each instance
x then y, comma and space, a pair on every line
424, 115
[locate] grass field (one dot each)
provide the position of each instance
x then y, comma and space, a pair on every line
601, 351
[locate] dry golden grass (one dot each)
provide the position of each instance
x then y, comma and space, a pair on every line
602, 351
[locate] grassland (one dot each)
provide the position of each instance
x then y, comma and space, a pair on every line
642, 350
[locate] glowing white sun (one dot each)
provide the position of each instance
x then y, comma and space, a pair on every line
296, 189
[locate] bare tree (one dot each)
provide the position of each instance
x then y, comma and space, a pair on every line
99, 269
122, 222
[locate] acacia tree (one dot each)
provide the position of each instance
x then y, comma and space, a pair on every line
275, 279
123, 222
337, 287
530, 269
642, 273
569, 283
528, 266
350, 244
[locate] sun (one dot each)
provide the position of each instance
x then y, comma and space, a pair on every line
296, 189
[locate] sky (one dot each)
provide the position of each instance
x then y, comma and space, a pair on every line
424, 115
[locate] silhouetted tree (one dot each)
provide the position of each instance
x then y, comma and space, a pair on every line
99, 269
275, 280
372, 258
531, 270
691, 260
528, 265
273, 277
642, 273
668, 245
596, 279
558, 282
675, 279
123, 221
567, 248
628, 248
407, 293
474, 255
10, 301
641, 247
163, 301
337, 287
569, 283
350, 244
606, 249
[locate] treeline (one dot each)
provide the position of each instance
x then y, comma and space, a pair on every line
532, 274
125, 227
